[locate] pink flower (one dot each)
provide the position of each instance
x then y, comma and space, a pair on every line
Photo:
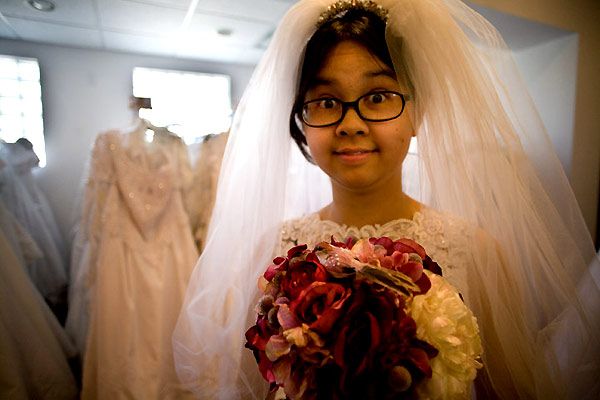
406, 256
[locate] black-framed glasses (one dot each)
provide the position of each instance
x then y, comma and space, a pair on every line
375, 106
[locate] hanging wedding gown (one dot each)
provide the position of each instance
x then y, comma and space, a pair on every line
201, 197
34, 348
136, 253
28, 204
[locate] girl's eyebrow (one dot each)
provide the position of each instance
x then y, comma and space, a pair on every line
382, 72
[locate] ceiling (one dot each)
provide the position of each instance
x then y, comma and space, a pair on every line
189, 28
158, 27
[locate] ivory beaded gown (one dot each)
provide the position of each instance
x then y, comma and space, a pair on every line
138, 252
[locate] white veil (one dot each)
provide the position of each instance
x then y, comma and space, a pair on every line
483, 156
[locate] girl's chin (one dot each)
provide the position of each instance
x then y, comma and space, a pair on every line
356, 184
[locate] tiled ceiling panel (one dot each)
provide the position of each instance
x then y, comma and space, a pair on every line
7, 32
78, 12
56, 34
130, 16
259, 10
238, 32
177, 4
213, 51
145, 44
219, 30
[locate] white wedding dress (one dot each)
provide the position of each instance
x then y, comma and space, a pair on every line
133, 255
446, 240
25, 200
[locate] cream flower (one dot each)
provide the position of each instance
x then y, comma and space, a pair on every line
444, 321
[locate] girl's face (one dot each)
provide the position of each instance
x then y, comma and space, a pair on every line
358, 155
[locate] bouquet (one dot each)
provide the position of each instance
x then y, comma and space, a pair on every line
371, 319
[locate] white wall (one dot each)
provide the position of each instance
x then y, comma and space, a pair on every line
86, 92
547, 58
580, 16
550, 73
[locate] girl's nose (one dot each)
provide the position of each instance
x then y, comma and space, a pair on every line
351, 124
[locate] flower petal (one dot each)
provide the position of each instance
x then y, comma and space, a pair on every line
277, 346
286, 318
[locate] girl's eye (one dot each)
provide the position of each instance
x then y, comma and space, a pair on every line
327, 103
376, 98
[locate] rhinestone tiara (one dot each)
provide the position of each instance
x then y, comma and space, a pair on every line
340, 7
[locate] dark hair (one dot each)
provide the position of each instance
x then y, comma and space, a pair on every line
360, 26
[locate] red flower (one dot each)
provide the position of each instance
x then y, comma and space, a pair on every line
256, 340
258, 335
340, 329
375, 336
320, 305
301, 272
366, 324
347, 244
279, 264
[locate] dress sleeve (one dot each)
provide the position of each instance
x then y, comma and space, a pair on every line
87, 237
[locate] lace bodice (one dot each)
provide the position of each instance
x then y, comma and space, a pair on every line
139, 181
445, 238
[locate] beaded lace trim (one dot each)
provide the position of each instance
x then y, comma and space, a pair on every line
446, 239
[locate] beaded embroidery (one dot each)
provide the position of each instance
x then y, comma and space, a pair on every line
446, 239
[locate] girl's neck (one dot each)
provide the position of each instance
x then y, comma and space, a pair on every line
369, 208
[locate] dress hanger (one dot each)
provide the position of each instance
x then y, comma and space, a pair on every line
137, 103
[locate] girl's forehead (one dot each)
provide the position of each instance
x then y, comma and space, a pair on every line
349, 60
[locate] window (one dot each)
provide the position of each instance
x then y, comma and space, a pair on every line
21, 103
190, 104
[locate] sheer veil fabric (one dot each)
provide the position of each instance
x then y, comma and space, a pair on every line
483, 156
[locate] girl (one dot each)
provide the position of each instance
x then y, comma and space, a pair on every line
354, 81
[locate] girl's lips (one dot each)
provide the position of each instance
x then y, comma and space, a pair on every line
353, 156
